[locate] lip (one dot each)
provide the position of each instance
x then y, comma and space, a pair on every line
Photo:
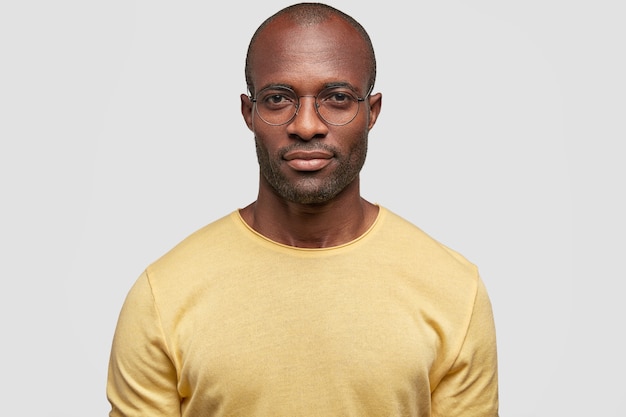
308, 160
307, 155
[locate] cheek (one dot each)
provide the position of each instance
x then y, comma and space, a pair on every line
355, 140
265, 154
268, 138
260, 146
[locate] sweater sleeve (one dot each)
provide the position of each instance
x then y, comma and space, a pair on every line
142, 379
470, 388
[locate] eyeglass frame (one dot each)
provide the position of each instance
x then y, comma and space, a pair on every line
297, 104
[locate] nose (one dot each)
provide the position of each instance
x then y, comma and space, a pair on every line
307, 124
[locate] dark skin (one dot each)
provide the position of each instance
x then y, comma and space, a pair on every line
309, 190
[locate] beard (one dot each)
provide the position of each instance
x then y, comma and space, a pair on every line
312, 187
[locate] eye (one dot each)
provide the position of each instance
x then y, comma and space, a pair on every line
277, 99
337, 98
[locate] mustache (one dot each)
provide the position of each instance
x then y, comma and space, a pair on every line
307, 147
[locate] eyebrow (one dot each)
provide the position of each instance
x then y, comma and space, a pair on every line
276, 85
334, 84
340, 84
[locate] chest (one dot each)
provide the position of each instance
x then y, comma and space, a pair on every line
330, 338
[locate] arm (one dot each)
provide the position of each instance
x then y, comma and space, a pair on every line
470, 388
142, 379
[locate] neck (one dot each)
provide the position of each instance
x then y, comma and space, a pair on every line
333, 223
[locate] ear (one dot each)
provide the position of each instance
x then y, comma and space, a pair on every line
376, 102
247, 106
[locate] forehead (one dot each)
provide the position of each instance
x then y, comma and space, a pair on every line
307, 57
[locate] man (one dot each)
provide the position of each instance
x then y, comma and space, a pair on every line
310, 301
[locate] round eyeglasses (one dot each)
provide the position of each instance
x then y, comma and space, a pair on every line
336, 106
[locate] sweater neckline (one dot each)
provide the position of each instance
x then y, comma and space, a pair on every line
245, 227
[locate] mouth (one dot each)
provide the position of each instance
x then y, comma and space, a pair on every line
309, 161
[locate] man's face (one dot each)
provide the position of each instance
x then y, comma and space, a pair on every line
308, 160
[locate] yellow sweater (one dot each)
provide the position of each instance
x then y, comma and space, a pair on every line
230, 323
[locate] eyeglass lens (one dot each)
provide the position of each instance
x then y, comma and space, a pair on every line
336, 106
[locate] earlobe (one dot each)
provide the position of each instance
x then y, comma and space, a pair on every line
375, 102
246, 110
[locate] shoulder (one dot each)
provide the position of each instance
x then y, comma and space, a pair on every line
416, 245
439, 276
199, 250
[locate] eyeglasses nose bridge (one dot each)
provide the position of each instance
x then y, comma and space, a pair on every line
315, 104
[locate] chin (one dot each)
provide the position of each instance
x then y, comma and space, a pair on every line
319, 195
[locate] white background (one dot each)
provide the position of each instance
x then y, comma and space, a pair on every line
501, 135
